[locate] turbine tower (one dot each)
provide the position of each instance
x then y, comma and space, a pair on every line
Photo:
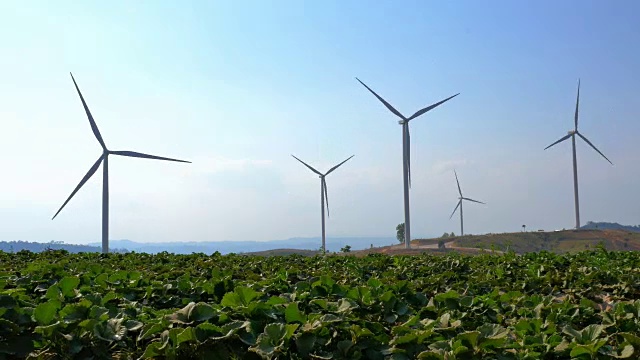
460, 205
104, 160
406, 154
572, 134
324, 196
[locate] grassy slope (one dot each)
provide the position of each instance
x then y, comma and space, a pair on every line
284, 252
559, 241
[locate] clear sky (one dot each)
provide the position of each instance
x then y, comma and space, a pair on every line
238, 86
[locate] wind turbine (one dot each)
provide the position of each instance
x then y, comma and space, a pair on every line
572, 134
406, 154
104, 160
324, 196
460, 205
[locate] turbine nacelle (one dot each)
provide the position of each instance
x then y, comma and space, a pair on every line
572, 132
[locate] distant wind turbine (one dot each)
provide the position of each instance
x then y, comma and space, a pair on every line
406, 154
104, 159
572, 134
324, 196
460, 205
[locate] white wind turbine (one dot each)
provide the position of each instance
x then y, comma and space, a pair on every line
460, 205
324, 196
572, 134
406, 154
104, 160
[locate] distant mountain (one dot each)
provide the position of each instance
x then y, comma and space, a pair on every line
610, 226
15, 246
226, 247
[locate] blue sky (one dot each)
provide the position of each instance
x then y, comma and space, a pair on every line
237, 87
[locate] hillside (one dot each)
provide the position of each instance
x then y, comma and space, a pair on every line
610, 226
15, 246
557, 241
284, 252
521, 242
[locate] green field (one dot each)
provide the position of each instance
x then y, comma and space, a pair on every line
127, 306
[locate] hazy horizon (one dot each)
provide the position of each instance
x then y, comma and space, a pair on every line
238, 87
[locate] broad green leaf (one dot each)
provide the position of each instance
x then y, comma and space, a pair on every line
579, 350
323, 303
202, 312
241, 296
133, 325
492, 331
346, 305
68, 284
108, 297
305, 343
633, 339
54, 293
276, 300
405, 339
430, 355
374, 283
46, 312
182, 316
74, 312
275, 332
573, 333
48, 330
293, 314
111, 330
469, 337
627, 352
153, 350
186, 335
591, 332
150, 330
451, 294
99, 313
329, 318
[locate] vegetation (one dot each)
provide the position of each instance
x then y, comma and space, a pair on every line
555, 241
534, 306
15, 246
609, 226
400, 232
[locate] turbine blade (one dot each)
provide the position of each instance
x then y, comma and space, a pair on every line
479, 202
86, 178
337, 166
326, 194
594, 147
458, 182
431, 107
391, 108
577, 104
307, 165
145, 156
454, 210
94, 127
559, 141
